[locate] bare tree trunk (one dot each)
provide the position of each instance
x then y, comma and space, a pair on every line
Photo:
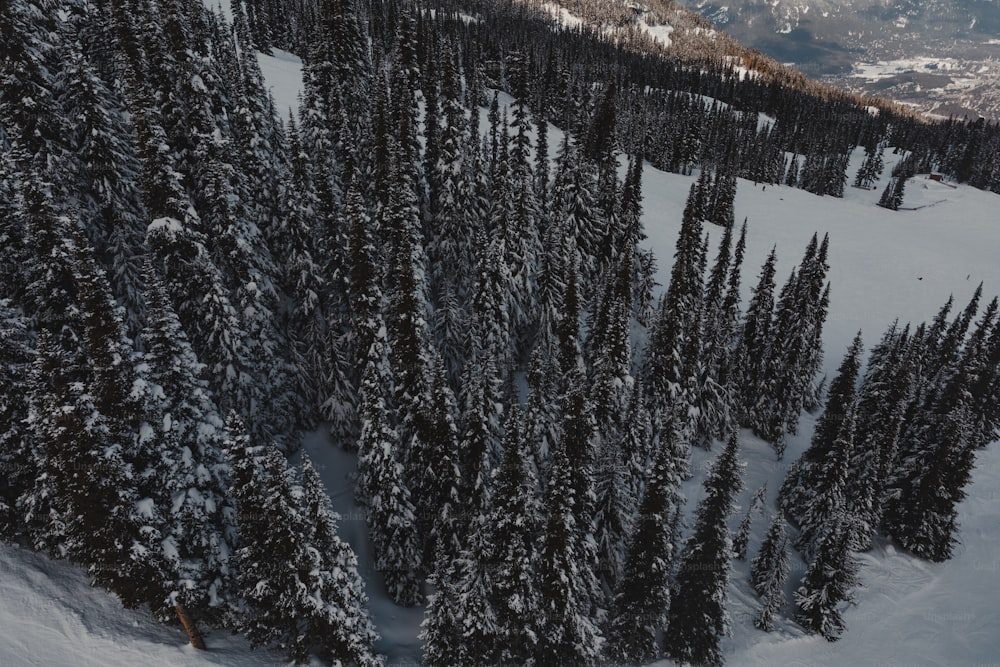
190, 628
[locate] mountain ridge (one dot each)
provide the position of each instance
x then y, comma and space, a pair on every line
938, 57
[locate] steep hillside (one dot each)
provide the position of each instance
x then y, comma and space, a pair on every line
681, 33
371, 332
937, 56
883, 265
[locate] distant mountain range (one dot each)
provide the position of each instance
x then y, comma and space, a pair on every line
939, 56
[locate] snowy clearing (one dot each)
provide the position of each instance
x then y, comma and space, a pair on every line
283, 76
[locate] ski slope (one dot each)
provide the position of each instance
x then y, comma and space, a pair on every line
883, 265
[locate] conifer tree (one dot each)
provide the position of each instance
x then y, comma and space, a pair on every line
828, 582
514, 522
293, 241
791, 366
50, 292
726, 335
542, 412
16, 358
871, 168
698, 618
768, 573
880, 410
754, 344
32, 120
614, 509
742, 536
472, 573
335, 604
490, 307
382, 487
792, 176
187, 474
567, 634
892, 196
574, 208
440, 629
675, 330
268, 558
642, 596
567, 330
105, 168
405, 313
482, 432
85, 503
610, 352
208, 312
436, 480
983, 354
523, 244
12, 233
542, 165
813, 492
931, 474
450, 248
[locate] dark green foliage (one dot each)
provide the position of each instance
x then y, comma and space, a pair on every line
795, 354
881, 405
813, 493
698, 619
298, 579
768, 572
936, 452
335, 271
514, 523
742, 535
674, 343
747, 369
827, 584
892, 196
871, 168
184, 468
85, 504
16, 358
382, 486
441, 627
567, 635
642, 596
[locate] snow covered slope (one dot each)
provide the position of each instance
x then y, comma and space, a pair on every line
51, 617
283, 77
884, 265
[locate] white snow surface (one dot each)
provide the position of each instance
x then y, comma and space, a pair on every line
659, 33
563, 16
283, 77
883, 265
51, 617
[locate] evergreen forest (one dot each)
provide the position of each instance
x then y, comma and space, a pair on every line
191, 278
